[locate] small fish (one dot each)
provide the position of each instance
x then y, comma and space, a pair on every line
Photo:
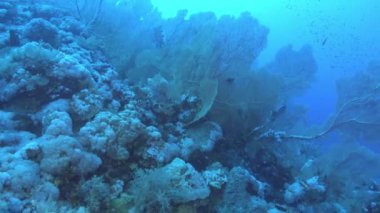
280, 207
324, 41
276, 113
230, 80
304, 184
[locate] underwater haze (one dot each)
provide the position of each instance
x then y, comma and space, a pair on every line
189, 106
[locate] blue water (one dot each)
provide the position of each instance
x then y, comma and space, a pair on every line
189, 106
348, 29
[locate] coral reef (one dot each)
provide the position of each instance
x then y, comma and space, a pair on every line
137, 113
177, 182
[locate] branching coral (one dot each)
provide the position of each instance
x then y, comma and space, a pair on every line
357, 110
